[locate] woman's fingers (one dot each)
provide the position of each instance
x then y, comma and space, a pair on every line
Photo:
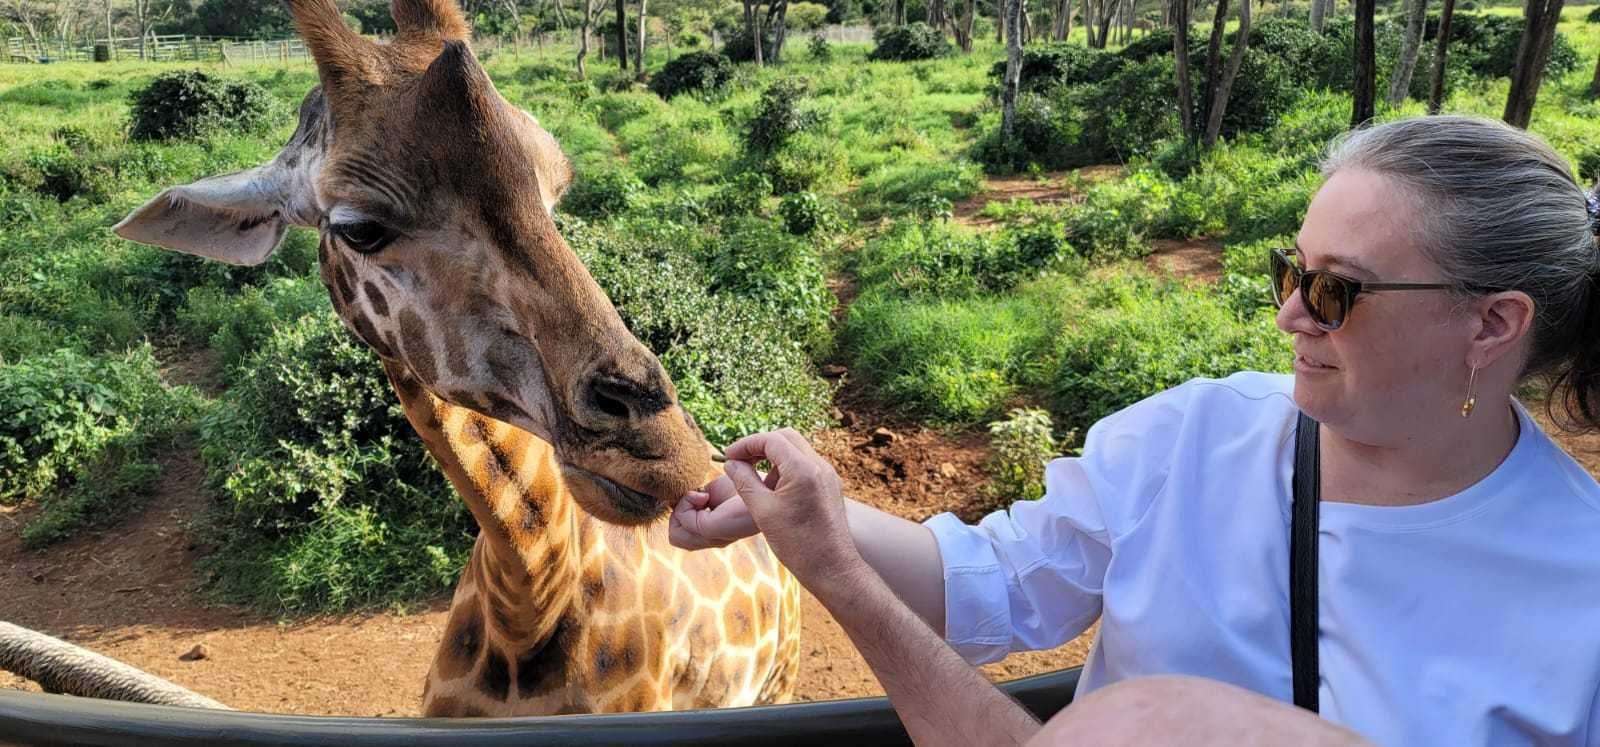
694, 527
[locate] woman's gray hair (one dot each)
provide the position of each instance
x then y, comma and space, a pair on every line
1498, 209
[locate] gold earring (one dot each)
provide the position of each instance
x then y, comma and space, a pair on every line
1472, 399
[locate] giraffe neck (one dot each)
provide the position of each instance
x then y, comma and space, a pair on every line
525, 568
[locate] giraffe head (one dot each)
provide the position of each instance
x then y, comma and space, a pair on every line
433, 198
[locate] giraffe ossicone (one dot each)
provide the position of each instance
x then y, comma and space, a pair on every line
432, 196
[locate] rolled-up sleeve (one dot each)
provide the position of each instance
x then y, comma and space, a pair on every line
1031, 577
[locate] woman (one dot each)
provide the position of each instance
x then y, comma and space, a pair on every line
1445, 262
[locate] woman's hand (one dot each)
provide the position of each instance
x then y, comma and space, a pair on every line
714, 517
798, 506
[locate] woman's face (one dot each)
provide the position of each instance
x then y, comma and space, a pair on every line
1398, 362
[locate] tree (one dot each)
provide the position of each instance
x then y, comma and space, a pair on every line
969, 13
1532, 52
752, 23
1440, 49
1224, 85
777, 23
1319, 12
591, 8
28, 14
638, 53
622, 35
1366, 66
1013, 78
1400, 81
1180, 55
1061, 20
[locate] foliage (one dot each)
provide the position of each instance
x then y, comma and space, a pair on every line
782, 113
804, 214
819, 49
914, 41
1133, 336
1019, 448
695, 72
328, 497
235, 324
191, 104
739, 49
1046, 66
78, 434
1045, 134
603, 192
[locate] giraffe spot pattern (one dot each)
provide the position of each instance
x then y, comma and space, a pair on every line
380, 305
414, 338
495, 681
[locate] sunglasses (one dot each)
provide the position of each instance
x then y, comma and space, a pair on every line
1328, 295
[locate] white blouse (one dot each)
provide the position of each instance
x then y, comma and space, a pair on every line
1474, 619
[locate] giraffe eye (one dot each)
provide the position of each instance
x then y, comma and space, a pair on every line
364, 236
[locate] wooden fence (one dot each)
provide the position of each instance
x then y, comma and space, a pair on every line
164, 48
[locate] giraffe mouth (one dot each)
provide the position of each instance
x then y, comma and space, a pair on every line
609, 501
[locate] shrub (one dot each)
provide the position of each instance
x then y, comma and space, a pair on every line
952, 361
742, 194
1310, 59
1019, 448
235, 324
695, 72
738, 48
915, 41
805, 16
1593, 16
819, 49
737, 366
329, 499
603, 192
1154, 44
191, 104
897, 186
781, 273
782, 113
1133, 336
1589, 165
1046, 66
1045, 135
78, 434
803, 214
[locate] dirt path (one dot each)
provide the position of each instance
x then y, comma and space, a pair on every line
1049, 188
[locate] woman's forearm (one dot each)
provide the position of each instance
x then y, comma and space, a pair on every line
905, 555
940, 699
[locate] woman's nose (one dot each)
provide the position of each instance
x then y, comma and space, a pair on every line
1294, 317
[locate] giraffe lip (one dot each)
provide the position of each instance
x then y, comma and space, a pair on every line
628, 505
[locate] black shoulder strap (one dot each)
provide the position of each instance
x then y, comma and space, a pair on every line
1303, 565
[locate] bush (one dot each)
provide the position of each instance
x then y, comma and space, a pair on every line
78, 434
803, 16
191, 104
1593, 16
329, 499
782, 113
1133, 336
819, 49
1045, 135
1019, 448
695, 72
737, 366
1046, 66
739, 49
781, 273
894, 188
602, 193
916, 41
920, 259
235, 324
742, 194
803, 214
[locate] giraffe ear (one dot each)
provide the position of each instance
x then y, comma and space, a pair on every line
236, 218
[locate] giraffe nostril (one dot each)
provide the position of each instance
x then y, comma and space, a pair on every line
610, 397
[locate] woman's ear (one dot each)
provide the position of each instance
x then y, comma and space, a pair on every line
1504, 321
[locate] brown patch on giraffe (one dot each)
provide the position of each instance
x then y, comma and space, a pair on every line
463, 638
380, 305
742, 566
414, 337
739, 617
341, 282
474, 431
711, 579
455, 356
495, 679
543, 668
640, 697
369, 335
613, 662
445, 706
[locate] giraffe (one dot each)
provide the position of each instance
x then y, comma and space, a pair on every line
433, 200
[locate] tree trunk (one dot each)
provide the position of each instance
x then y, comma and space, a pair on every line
969, 13
1219, 95
1105, 23
622, 35
638, 52
899, 12
1318, 11
1400, 81
584, 30
777, 21
1542, 17
1180, 54
1219, 22
1013, 79
1594, 84
1067, 22
111, 34
1088, 22
1366, 66
1440, 50
752, 22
